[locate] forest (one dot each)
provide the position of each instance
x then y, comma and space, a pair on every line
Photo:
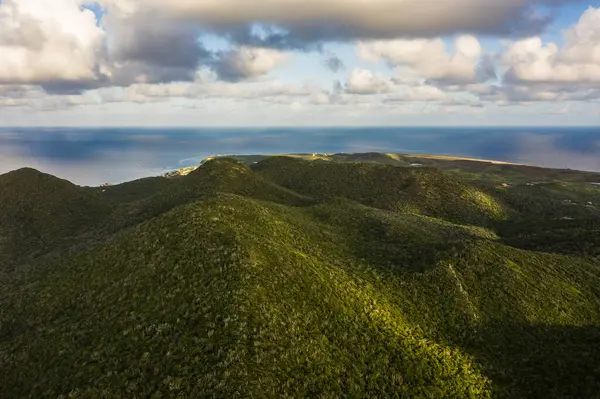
317, 275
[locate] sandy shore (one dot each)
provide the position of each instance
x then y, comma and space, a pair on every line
452, 158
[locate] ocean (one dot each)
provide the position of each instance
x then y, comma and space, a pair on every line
92, 156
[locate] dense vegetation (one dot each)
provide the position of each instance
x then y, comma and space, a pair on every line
289, 278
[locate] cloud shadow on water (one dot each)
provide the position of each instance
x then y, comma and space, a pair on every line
125, 153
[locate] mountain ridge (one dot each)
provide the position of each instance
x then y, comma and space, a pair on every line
291, 278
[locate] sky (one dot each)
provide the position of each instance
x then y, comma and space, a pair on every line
299, 63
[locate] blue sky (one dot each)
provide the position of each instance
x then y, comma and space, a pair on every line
206, 63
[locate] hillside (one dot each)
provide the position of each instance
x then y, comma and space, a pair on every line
39, 212
291, 278
426, 191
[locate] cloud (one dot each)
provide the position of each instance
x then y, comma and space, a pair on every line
302, 25
270, 91
58, 54
364, 81
578, 61
61, 46
248, 62
419, 93
429, 59
333, 62
150, 49
534, 71
41, 44
353, 19
19, 91
522, 94
526, 71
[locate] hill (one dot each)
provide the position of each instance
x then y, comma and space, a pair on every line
290, 278
425, 191
39, 212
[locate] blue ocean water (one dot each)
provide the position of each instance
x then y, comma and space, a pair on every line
92, 156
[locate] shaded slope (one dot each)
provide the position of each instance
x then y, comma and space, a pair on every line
541, 360
221, 175
134, 190
567, 236
552, 200
39, 212
427, 191
231, 176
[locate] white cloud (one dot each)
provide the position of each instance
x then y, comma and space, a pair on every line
266, 91
43, 41
530, 61
53, 54
364, 81
427, 58
419, 93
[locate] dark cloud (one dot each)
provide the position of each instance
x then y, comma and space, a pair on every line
154, 51
306, 27
73, 87
333, 63
245, 62
137, 72
172, 46
228, 67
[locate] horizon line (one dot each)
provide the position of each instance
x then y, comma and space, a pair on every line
554, 126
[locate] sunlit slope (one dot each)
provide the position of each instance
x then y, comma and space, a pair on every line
237, 297
467, 168
222, 297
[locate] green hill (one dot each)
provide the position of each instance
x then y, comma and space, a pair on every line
426, 191
298, 279
39, 212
